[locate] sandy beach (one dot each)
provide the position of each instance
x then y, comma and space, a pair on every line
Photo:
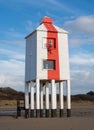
10, 123
82, 118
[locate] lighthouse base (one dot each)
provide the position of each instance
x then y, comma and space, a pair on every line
41, 113
61, 112
47, 113
38, 113
53, 113
68, 112
31, 113
26, 113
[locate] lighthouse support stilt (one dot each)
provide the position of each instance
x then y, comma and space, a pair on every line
61, 99
68, 98
26, 99
53, 99
47, 98
41, 99
37, 98
32, 99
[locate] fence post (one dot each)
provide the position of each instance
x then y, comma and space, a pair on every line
18, 108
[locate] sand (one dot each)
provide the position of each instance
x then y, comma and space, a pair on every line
82, 119
10, 123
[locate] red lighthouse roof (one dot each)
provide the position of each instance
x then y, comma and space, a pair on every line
47, 20
48, 24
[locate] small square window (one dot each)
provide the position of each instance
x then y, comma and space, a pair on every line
49, 64
52, 43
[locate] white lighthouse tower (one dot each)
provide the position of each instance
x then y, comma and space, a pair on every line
47, 63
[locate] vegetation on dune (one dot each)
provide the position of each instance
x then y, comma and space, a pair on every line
8, 93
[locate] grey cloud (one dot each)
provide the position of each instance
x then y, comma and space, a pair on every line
82, 24
82, 72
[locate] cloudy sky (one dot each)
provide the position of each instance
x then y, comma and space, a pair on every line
20, 17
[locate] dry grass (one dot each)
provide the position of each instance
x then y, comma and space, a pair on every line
82, 103
13, 103
9, 103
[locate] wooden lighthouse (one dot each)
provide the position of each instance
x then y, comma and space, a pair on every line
47, 63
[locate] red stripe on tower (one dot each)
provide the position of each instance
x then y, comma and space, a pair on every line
52, 47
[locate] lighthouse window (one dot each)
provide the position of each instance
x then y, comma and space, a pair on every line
52, 43
49, 64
